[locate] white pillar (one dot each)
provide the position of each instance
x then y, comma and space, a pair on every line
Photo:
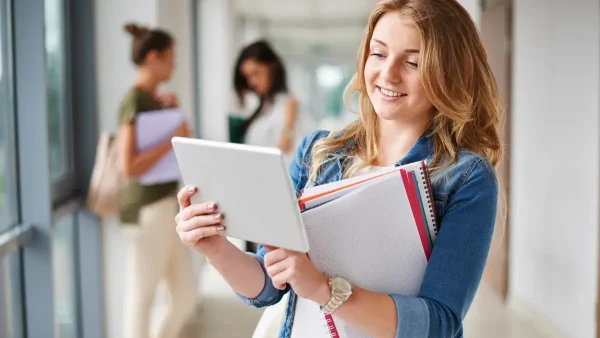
218, 51
175, 17
217, 54
555, 161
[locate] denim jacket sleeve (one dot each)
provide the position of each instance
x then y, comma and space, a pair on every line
457, 260
270, 295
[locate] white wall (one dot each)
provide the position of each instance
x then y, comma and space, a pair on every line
115, 75
217, 53
114, 72
554, 165
175, 17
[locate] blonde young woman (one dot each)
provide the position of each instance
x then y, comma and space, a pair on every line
426, 93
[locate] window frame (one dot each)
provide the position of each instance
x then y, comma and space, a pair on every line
65, 188
39, 199
10, 146
196, 60
15, 235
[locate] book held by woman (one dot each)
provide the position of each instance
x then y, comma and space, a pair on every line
361, 227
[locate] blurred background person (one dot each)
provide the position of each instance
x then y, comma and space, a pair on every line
154, 253
275, 121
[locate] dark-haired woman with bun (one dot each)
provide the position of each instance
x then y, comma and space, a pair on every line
154, 252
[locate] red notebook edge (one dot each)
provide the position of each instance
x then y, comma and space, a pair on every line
414, 204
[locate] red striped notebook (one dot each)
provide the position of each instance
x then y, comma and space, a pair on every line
359, 226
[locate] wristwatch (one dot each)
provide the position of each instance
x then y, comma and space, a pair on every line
341, 290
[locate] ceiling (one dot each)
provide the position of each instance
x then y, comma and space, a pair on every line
311, 10
327, 27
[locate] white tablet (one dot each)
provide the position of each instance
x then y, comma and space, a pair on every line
251, 186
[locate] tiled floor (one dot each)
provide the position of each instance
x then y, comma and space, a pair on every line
490, 318
222, 315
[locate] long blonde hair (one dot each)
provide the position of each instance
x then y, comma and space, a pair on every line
457, 79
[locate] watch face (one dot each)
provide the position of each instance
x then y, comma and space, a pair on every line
340, 285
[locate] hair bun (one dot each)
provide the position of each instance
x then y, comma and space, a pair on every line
135, 30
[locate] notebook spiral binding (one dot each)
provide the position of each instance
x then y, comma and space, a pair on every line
430, 199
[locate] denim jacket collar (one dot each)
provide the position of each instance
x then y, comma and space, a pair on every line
423, 148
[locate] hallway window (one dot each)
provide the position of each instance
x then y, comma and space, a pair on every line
332, 80
65, 276
59, 119
7, 146
10, 305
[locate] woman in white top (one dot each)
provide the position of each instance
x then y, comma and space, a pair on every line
273, 123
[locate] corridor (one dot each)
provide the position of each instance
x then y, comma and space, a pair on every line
222, 315
67, 68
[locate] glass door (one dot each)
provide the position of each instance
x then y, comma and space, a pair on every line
11, 319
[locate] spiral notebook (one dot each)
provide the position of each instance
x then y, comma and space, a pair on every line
358, 227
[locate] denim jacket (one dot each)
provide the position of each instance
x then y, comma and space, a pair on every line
465, 200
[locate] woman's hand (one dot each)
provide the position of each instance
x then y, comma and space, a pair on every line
182, 131
168, 100
294, 268
286, 139
199, 225
285, 142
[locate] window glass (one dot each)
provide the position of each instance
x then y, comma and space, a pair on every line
65, 276
11, 323
7, 145
57, 92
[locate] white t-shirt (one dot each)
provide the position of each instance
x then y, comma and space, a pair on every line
368, 169
266, 129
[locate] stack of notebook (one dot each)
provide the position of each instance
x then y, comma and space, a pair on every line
376, 230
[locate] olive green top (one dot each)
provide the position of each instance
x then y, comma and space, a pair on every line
136, 195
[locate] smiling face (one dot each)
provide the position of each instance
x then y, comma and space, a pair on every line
391, 71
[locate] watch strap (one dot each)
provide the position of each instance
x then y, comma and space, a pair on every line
333, 304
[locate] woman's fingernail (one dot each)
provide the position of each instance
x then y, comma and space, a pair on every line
218, 216
191, 189
220, 228
211, 207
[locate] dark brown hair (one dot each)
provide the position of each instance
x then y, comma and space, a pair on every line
146, 40
261, 52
